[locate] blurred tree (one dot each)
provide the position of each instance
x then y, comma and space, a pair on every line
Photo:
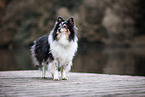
109, 22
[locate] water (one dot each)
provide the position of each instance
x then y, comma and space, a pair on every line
124, 61
19, 59
111, 61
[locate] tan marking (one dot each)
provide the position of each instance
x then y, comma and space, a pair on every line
67, 32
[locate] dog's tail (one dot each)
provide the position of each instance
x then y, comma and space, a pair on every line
33, 55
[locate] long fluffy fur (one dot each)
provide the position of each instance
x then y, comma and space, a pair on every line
57, 49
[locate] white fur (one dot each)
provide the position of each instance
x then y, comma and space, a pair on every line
63, 52
33, 54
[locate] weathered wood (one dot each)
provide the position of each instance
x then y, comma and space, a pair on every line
30, 84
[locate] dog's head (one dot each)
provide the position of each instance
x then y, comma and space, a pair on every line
63, 27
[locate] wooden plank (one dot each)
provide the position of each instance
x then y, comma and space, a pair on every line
29, 84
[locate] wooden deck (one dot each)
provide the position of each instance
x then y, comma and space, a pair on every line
29, 84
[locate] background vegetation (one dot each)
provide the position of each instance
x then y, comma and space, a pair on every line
103, 22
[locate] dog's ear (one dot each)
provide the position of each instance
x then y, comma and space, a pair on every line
59, 19
71, 21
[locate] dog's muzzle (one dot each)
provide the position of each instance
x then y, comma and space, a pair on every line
63, 29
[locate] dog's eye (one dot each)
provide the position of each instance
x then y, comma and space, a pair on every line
61, 24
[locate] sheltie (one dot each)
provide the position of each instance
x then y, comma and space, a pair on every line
56, 50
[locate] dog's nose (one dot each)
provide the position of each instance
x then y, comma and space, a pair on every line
64, 25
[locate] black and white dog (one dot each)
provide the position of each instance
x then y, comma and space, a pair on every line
56, 50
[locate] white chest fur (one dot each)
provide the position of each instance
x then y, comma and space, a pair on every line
62, 49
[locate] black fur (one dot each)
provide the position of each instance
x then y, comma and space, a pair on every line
59, 20
71, 28
42, 50
55, 30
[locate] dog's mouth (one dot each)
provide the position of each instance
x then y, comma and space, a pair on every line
63, 30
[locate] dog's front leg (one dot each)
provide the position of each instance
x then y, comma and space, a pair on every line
53, 68
63, 71
55, 75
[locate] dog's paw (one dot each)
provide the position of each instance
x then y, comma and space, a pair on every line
43, 77
64, 78
56, 79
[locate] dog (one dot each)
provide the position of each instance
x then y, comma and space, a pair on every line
56, 50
